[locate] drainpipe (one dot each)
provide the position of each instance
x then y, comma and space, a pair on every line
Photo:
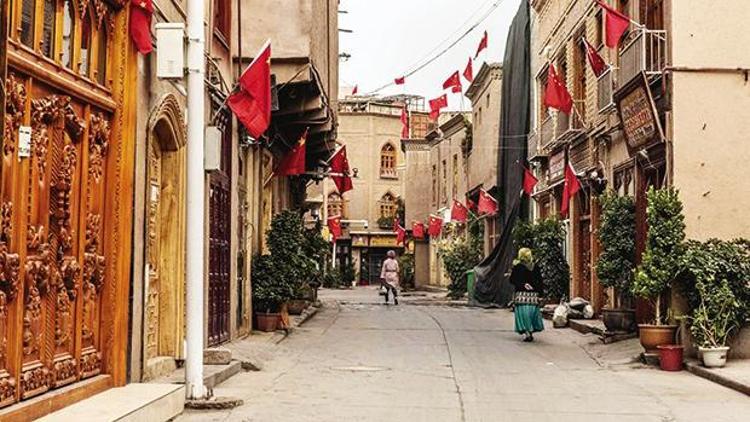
196, 180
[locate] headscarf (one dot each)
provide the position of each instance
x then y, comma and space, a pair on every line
525, 257
392, 254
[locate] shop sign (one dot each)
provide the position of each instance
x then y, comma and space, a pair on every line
638, 114
383, 241
557, 165
359, 240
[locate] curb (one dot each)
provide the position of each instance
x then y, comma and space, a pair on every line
214, 403
697, 369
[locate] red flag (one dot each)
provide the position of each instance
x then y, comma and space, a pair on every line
293, 164
400, 235
469, 72
436, 104
482, 45
141, 12
487, 204
334, 226
252, 103
355, 90
400, 81
615, 23
595, 60
404, 123
459, 212
453, 82
529, 181
340, 166
556, 94
571, 187
417, 230
436, 226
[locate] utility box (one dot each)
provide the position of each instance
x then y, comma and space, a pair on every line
212, 149
170, 50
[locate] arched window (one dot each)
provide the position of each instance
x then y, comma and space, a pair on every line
335, 205
388, 161
68, 33
387, 206
48, 28
86, 32
101, 56
27, 22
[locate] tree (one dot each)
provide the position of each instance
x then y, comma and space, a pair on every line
616, 262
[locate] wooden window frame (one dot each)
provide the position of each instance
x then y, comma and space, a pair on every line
388, 205
222, 25
335, 203
388, 161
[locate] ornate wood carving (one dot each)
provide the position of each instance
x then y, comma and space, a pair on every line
99, 132
15, 106
44, 113
93, 280
9, 269
62, 192
39, 275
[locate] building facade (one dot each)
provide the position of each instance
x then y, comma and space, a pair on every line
66, 198
638, 124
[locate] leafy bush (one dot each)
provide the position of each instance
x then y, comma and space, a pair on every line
713, 277
318, 250
617, 236
461, 253
664, 247
348, 274
546, 238
268, 291
406, 270
332, 279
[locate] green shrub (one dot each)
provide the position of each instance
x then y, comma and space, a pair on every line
268, 291
664, 247
616, 262
332, 279
406, 270
460, 253
546, 238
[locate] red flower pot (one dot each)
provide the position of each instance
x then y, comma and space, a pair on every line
670, 357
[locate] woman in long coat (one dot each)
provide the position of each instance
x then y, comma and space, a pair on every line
527, 279
389, 276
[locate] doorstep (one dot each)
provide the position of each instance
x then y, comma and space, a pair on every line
131, 403
735, 375
213, 375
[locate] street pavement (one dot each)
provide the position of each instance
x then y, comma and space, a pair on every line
358, 360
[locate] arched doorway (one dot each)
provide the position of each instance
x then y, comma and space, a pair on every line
165, 240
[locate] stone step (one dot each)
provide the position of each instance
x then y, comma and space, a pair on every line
131, 403
213, 375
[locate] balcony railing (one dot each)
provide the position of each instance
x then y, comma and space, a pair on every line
645, 52
547, 131
605, 89
570, 126
388, 173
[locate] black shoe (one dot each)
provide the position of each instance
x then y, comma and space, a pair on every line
395, 301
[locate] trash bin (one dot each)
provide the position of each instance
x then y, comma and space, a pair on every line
470, 277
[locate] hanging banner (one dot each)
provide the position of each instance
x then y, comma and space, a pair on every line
637, 110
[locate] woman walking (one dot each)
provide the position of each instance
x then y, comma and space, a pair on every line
527, 280
389, 276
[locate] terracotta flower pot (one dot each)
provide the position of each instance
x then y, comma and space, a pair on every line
622, 320
296, 306
267, 322
652, 336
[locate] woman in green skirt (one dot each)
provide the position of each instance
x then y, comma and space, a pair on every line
527, 280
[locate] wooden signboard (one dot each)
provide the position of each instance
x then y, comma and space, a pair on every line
557, 165
383, 241
637, 111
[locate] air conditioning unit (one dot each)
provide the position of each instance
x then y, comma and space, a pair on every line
170, 50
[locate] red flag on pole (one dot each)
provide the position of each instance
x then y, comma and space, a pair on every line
615, 23
487, 204
482, 45
293, 164
459, 212
400, 81
340, 167
404, 123
141, 12
252, 103
436, 104
571, 187
453, 82
435, 227
334, 226
469, 72
595, 60
417, 230
400, 235
529, 181
556, 94
355, 90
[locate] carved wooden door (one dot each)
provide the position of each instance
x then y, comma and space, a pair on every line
53, 266
218, 260
154, 251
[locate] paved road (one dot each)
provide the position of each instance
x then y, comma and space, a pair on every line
362, 361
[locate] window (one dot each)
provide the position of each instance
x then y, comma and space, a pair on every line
444, 190
335, 205
68, 33
488, 100
222, 18
27, 23
101, 56
455, 176
388, 161
580, 68
387, 206
434, 185
599, 33
85, 50
48, 28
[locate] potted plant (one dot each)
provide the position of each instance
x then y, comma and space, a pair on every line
658, 269
267, 293
714, 278
616, 262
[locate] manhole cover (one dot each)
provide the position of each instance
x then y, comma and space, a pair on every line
360, 368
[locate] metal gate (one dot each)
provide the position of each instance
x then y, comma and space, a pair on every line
218, 260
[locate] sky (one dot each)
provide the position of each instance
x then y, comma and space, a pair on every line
391, 37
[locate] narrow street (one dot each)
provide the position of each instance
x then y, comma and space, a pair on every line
358, 360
